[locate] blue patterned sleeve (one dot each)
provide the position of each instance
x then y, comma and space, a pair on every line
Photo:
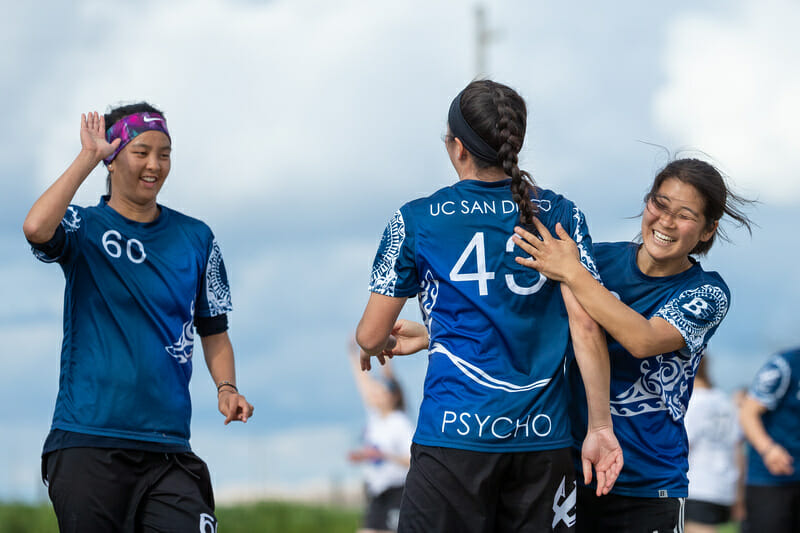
580, 234
696, 313
394, 271
61, 246
214, 298
771, 382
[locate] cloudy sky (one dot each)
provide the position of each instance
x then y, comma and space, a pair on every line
299, 126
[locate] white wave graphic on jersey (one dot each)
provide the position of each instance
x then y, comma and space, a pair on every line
181, 349
427, 298
384, 277
482, 378
664, 383
71, 220
577, 236
218, 292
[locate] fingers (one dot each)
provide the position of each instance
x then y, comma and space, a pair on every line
542, 229
229, 410
562, 233
601, 483
587, 470
525, 240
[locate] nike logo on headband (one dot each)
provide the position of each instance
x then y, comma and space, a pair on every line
152, 119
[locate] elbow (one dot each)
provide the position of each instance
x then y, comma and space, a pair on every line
585, 326
34, 231
368, 341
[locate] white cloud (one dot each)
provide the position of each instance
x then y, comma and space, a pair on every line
731, 91
260, 97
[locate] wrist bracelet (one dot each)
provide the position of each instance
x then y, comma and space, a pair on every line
226, 384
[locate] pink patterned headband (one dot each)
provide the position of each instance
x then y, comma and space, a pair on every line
130, 126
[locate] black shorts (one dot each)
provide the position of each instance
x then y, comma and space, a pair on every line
628, 514
99, 489
383, 510
772, 509
466, 491
707, 512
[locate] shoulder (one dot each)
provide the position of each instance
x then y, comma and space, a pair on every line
549, 200
187, 223
710, 277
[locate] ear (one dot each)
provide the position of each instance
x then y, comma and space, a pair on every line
461, 153
707, 234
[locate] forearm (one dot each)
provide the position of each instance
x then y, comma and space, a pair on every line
218, 352
752, 426
591, 354
46, 214
375, 327
640, 336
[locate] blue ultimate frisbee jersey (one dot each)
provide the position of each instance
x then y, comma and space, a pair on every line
649, 396
498, 330
777, 387
132, 292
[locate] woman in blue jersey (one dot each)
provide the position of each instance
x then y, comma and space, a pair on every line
139, 278
660, 308
491, 448
770, 417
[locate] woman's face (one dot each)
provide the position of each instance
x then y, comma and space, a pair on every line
140, 169
673, 222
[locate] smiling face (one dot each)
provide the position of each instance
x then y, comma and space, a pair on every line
139, 171
672, 224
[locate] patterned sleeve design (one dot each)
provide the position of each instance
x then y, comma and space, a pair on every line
393, 271
217, 290
71, 223
695, 313
581, 237
772, 382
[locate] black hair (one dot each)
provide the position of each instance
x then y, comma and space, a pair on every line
499, 115
123, 111
394, 388
717, 196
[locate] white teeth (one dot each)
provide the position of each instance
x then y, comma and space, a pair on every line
148, 179
661, 237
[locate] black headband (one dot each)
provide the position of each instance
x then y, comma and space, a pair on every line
473, 142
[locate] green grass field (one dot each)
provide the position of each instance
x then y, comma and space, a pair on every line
251, 518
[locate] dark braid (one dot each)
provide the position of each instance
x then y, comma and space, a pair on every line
499, 115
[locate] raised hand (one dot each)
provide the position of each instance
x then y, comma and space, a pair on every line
601, 450
93, 136
555, 257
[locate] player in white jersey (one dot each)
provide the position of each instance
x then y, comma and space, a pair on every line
659, 308
491, 449
385, 451
715, 456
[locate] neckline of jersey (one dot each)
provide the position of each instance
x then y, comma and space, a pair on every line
159, 221
686, 273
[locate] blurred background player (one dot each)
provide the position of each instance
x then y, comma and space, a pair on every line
386, 450
491, 450
770, 418
715, 456
139, 278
